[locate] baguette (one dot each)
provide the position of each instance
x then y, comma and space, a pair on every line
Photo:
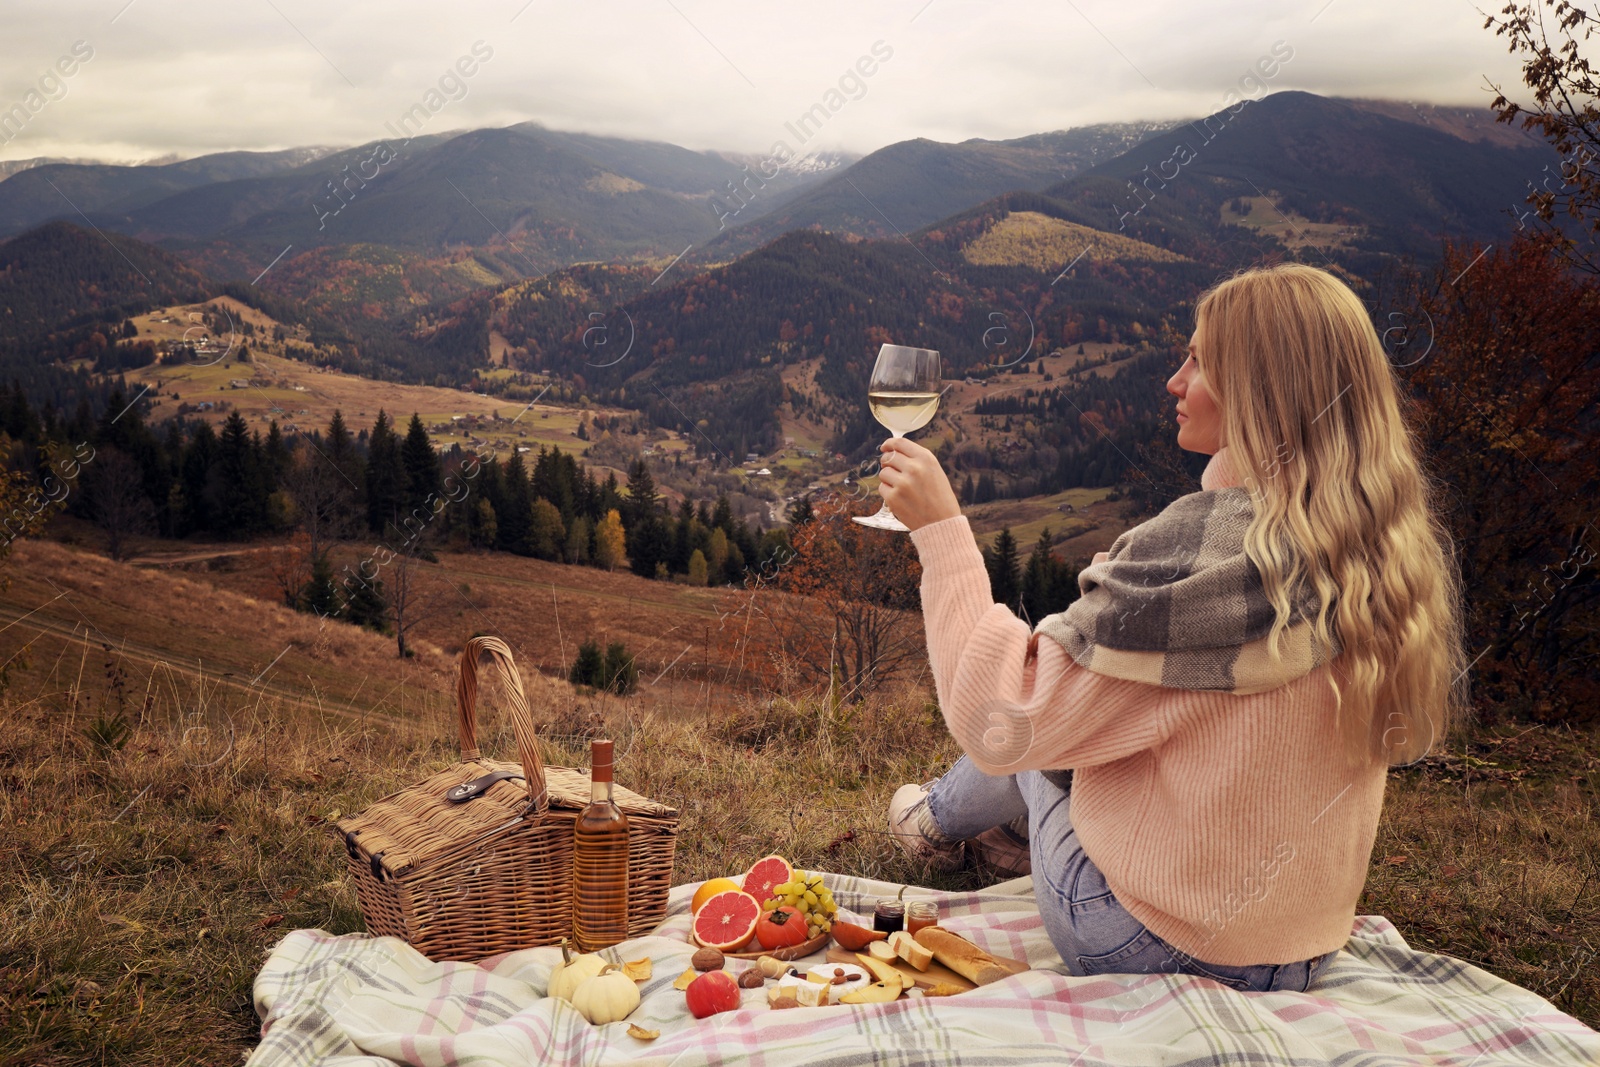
961, 955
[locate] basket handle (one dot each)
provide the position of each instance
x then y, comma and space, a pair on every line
499, 656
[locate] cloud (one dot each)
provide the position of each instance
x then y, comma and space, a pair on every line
186, 77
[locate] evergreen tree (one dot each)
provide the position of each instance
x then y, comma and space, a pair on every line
421, 464
337, 444
386, 476
515, 515
589, 668
619, 674
366, 605
609, 496
682, 534
648, 545
318, 594
1039, 580
240, 483
722, 515
276, 456
198, 460
642, 498
800, 512
1001, 562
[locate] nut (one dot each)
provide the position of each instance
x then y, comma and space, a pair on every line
706, 959
752, 979
840, 979
785, 1002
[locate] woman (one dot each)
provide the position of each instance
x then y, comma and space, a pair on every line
1237, 675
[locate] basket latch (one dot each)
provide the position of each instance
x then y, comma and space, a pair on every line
477, 787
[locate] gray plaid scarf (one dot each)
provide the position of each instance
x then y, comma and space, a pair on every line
1178, 604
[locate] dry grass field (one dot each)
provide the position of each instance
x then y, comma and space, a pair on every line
168, 787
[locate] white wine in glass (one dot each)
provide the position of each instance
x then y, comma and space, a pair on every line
903, 395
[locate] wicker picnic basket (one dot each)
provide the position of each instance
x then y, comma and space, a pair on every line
477, 860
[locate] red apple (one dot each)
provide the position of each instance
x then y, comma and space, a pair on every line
712, 992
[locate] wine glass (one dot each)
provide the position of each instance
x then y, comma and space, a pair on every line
903, 395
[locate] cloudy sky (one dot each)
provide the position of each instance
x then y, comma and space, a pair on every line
195, 76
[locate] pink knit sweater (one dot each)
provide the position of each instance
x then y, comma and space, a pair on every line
1224, 823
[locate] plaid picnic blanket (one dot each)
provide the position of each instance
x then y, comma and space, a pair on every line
354, 999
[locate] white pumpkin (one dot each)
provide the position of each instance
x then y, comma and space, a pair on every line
608, 997
573, 971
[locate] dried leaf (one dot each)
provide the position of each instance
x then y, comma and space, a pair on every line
635, 1030
685, 978
289, 894
943, 989
270, 920
638, 970
1395, 861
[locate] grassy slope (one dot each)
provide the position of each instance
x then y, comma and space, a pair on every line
1030, 239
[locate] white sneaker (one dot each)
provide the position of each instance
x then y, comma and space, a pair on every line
915, 830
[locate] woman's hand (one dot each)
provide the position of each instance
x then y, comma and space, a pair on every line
913, 484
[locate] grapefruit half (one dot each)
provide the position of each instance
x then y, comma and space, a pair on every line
727, 921
709, 889
768, 873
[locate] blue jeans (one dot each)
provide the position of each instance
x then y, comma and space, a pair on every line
1086, 923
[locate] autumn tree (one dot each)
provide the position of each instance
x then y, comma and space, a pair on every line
113, 487
413, 595
1507, 404
609, 544
1565, 111
324, 499
862, 585
24, 507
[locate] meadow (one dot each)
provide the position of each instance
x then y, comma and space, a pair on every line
165, 819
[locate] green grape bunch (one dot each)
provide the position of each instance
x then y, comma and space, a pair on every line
806, 895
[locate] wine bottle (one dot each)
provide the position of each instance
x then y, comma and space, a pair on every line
600, 860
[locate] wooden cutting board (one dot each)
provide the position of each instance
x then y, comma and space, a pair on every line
936, 972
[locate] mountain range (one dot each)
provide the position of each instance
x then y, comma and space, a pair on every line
426, 254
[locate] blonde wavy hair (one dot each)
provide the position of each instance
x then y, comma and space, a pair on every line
1311, 415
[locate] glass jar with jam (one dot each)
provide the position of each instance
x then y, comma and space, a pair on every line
889, 915
920, 914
